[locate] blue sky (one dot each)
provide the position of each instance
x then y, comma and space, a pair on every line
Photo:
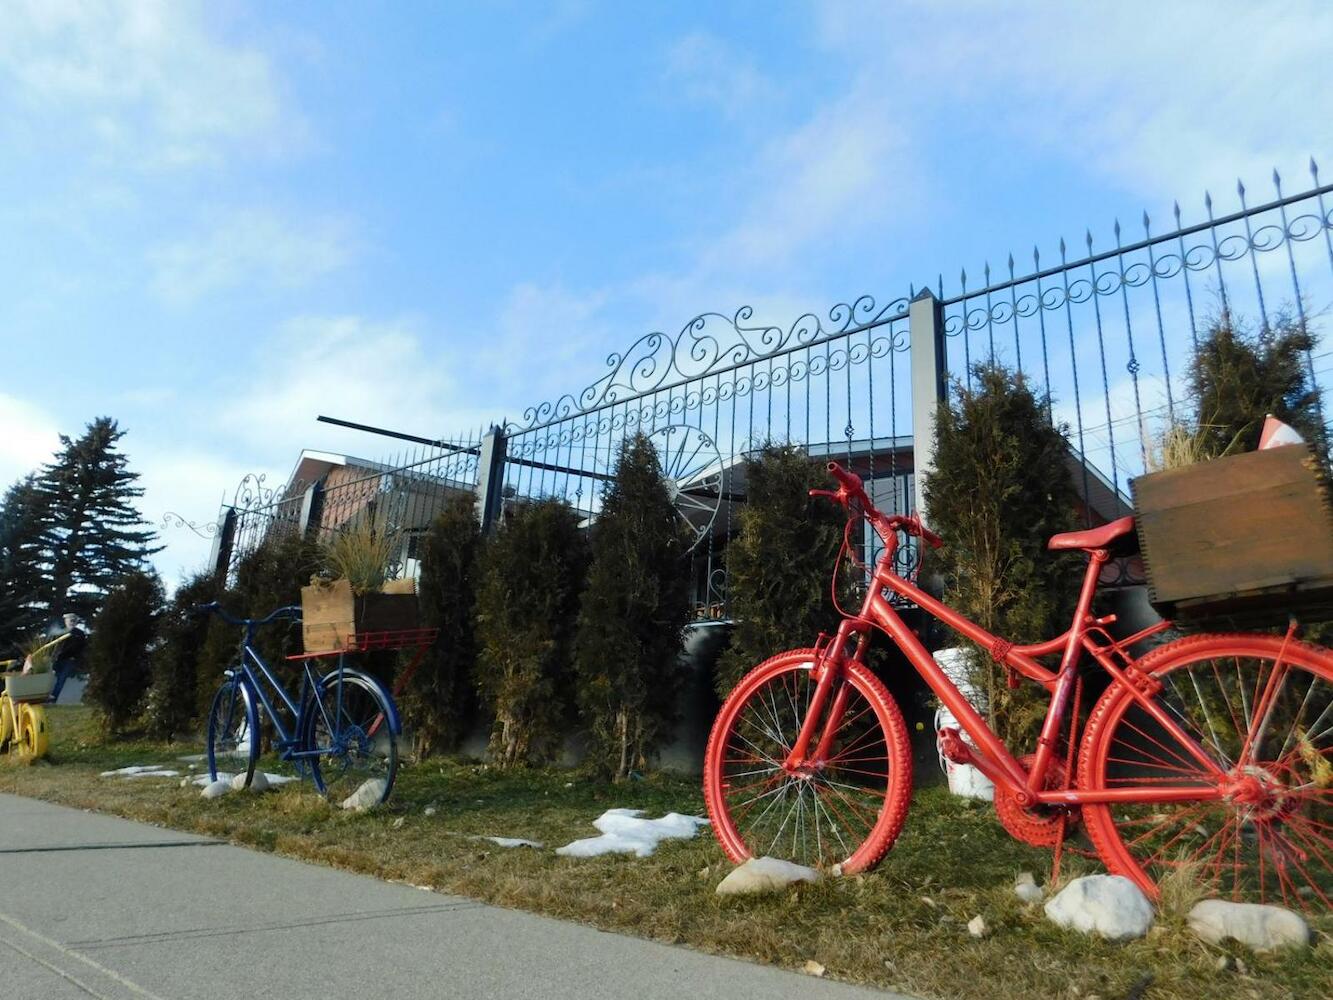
222, 219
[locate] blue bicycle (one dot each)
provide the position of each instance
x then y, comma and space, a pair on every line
344, 723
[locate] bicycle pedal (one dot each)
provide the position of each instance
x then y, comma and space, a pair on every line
952, 746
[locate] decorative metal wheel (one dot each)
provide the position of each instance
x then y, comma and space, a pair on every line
692, 466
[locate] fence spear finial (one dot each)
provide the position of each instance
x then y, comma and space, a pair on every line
1277, 182
1314, 171
1088, 233
1011, 265
1175, 208
1240, 189
1036, 258
1062, 249
1208, 202
1146, 223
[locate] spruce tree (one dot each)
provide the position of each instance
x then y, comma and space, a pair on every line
91, 533
21, 580
627, 652
1000, 488
1237, 376
118, 667
527, 608
437, 702
780, 565
175, 660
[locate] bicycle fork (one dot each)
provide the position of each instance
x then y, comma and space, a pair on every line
829, 672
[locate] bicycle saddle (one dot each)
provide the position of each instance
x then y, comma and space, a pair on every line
1093, 538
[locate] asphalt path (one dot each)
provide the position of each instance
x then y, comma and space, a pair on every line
95, 906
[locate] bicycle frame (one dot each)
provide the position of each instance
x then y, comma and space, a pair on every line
288, 740
991, 756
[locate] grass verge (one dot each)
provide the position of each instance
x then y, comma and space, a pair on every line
902, 926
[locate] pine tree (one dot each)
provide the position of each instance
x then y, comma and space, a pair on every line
527, 608
1000, 488
439, 698
627, 652
91, 534
175, 660
1238, 376
780, 565
118, 667
20, 563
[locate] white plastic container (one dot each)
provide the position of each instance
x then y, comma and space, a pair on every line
964, 779
30, 687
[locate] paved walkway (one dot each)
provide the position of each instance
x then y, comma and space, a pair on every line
96, 906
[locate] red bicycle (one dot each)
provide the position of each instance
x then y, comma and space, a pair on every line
1214, 751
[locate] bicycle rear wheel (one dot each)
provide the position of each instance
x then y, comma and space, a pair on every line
349, 728
233, 731
843, 813
1264, 715
33, 734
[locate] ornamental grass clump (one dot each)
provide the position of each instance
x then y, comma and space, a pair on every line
361, 556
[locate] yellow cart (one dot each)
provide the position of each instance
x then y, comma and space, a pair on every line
23, 725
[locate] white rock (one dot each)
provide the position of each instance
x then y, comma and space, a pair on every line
428, 811
1263, 928
977, 926
216, 788
764, 875
367, 796
1026, 888
1109, 905
259, 783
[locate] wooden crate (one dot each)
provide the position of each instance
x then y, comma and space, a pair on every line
1248, 537
331, 615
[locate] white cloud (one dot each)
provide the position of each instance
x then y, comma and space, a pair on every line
706, 69
30, 438
249, 248
145, 81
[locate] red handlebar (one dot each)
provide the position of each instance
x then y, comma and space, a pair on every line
850, 487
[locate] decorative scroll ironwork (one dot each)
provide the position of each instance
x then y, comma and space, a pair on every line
173, 520
711, 345
1198, 258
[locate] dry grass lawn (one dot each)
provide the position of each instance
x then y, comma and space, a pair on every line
903, 926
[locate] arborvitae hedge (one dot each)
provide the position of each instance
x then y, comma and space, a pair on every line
781, 564
527, 609
118, 667
1238, 375
439, 699
268, 577
1000, 488
627, 653
173, 698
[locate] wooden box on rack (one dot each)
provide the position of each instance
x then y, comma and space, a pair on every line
331, 615
1248, 537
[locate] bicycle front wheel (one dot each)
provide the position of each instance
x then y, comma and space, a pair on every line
842, 813
233, 731
1261, 710
348, 730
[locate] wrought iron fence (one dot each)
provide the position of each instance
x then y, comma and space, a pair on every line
1105, 336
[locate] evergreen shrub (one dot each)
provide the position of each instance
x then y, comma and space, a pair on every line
780, 564
1000, 488
439, 700
627, 652
117, 652
173, 697
527, 609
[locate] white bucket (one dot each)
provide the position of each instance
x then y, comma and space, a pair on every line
964, 779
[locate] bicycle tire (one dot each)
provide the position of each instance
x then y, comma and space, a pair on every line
869, 801
363, 742
1271, 835
233, 728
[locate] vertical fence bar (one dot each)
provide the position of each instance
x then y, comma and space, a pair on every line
925, 324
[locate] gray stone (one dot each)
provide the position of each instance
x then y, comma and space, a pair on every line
1263, 928
367, 796
1108, 905
764, 875
977, 926
1026, 888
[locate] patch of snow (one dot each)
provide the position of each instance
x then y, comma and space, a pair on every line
514, 842
1026, 888
278, 779
764, 875
154, 774
624, 831
367, 796
132, 769
977, 926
